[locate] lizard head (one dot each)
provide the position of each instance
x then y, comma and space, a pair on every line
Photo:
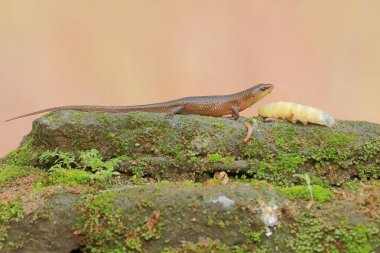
261, 90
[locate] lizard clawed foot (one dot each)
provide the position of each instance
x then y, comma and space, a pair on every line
234, 118
173, 111
169, 115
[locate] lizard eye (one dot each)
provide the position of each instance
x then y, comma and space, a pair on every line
263, 88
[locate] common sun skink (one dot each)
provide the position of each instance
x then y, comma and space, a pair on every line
200, 105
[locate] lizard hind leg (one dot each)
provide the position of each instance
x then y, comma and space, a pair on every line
235, 112
174, 110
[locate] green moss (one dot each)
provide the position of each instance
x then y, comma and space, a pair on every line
219, 125
52, 116
214, 158
205, 246
9, 211
333, 149
257, 149
285, 137
308, 237
107, 228
284, 149
9, 173
359, 239
18, 163
102, 224
352, 185
371, 148
191, 183
255, 236
104, 117
24, 155
340, 140
72, 177
222, 224
334, 146
279, 163
279, 169
218, 158
312, 235
260, 184
320, 193
288, 162
369, 172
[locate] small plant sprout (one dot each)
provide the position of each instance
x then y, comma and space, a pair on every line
309, 187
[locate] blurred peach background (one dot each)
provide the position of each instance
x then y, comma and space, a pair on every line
321, 53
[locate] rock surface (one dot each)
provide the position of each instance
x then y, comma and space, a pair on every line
175, 214
191, 147
165, 198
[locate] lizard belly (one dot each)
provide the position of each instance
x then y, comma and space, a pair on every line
207, 109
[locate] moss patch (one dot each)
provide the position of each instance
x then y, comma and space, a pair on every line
218, 158
150, 218
320, 193
358, 239
24, 155
72, 177
9, 211
329, 155
9, 173
205, 245
107, 228
312, 235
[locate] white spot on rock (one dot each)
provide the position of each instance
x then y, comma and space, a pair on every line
268, 216
226, 202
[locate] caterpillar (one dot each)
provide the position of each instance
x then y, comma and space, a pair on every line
296, 112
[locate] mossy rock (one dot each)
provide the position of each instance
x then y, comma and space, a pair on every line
47, 229
194, 147
192, 218
75, 201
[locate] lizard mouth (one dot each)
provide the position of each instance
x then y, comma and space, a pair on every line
268, 91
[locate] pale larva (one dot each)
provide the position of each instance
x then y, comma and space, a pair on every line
296, 112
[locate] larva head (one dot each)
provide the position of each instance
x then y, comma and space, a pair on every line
328, 119
261, 90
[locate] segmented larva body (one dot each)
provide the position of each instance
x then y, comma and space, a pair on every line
296, 112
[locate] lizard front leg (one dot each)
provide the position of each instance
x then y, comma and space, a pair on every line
235, 112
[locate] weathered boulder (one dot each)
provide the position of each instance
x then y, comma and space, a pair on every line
48, 229
80, 206
157, 216
192, 218
190, 146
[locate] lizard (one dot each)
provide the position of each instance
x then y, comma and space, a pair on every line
201, 105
